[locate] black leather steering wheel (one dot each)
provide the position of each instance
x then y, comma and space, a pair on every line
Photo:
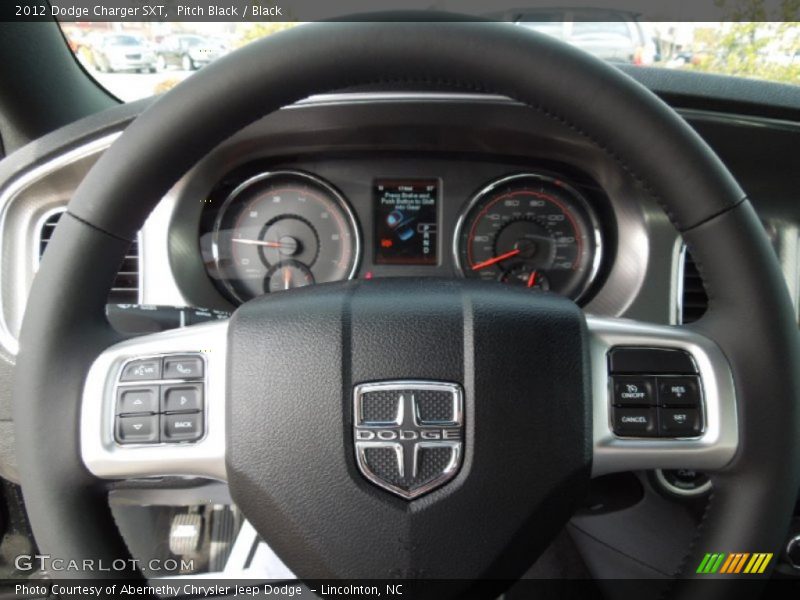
285, 443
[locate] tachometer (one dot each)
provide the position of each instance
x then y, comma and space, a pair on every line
530, 230
282, 230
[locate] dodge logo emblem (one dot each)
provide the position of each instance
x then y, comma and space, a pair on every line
408, 434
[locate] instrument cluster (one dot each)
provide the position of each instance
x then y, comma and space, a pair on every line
283, 228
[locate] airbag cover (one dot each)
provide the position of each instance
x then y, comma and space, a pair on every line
521, 359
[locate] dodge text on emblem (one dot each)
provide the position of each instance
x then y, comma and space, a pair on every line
409, 434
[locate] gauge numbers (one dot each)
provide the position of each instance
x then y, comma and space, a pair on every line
530, 230
283, 230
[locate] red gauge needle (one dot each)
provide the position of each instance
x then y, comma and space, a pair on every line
532, 279
259, 243
287, 279
495, 260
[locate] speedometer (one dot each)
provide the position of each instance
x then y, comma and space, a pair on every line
530, 230
282, 230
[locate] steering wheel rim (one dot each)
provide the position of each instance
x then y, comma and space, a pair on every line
63, 333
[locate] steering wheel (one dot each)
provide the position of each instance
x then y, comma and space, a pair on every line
526, 415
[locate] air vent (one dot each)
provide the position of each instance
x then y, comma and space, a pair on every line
126, 285
693, 298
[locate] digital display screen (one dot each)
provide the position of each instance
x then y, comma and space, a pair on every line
406, 221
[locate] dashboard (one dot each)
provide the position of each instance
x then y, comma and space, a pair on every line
396, 184
360, 186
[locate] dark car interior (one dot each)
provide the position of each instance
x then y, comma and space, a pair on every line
474, 309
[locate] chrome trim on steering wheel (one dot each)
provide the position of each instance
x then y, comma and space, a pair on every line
710, 451
106, 458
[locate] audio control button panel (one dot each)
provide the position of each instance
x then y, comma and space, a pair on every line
160, 400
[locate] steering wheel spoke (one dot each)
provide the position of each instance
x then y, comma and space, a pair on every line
663, 398
155, 406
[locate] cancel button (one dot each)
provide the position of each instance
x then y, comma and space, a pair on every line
635, 422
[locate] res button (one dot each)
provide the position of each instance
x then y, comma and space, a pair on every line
678, 392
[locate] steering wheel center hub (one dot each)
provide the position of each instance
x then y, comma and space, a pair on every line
435, 413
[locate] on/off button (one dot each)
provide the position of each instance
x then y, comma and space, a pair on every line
634, 391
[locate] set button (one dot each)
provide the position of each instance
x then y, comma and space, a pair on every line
679, 422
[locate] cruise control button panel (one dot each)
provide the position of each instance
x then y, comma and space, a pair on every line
160, 400
655, 392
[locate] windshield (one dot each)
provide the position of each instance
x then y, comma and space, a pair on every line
174, 50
